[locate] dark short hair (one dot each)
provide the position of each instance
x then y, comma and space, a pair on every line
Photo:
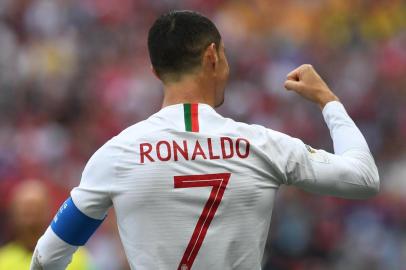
177, 40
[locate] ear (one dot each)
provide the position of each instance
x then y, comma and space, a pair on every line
155, 73
210, 57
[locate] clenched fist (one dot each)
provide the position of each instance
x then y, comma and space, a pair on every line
305, 81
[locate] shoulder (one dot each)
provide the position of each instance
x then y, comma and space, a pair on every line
267, 142
228, 125
108, 156
257, 133
138, 130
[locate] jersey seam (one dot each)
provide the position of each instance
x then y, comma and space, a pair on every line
115, 165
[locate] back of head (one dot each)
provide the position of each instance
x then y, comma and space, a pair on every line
29, 211
177, 41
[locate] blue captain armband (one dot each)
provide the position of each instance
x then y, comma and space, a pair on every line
72, 226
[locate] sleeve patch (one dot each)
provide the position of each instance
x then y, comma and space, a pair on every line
319, 156
72, 226
310, 149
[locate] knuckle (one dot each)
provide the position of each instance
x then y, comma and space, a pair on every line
308, 66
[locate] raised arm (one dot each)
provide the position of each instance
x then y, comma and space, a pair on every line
351, 171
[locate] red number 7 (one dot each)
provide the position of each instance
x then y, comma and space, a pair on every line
218, 182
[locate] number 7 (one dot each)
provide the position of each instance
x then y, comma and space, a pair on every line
218, 182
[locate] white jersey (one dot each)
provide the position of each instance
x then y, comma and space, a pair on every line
194, 190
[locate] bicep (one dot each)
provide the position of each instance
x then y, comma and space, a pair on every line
92, 196
81, 214
349, 175
73, 226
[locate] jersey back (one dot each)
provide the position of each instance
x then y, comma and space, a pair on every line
190, 188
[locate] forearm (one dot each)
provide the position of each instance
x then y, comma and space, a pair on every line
69, 229
343, 131
348, 173
349, 141
351, 172
51, 253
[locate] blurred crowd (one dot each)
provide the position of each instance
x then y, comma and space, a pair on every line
73, 73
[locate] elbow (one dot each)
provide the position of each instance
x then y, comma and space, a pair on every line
372, 184
45, 261
37, 261
372, 189
40, 261
364, 184
364, 192
365, 174
375, 185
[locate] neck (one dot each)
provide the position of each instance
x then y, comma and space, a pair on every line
189, 90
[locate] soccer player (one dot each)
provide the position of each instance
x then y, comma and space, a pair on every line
192, 189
